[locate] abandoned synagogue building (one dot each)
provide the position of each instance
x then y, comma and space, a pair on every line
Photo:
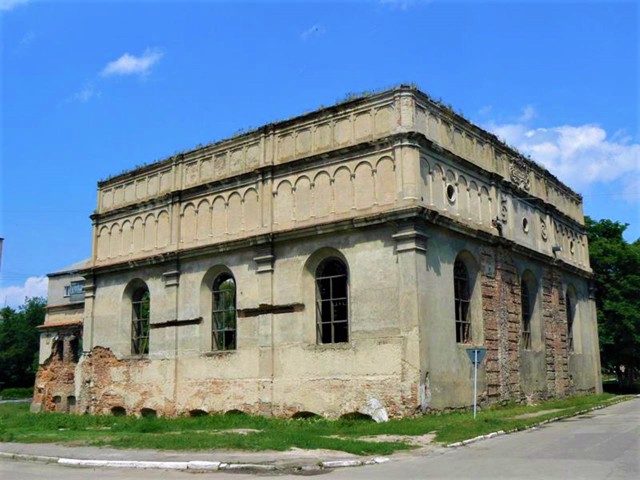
316, 264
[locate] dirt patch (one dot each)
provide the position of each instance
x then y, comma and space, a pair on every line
239, 431
537, 414
415, 440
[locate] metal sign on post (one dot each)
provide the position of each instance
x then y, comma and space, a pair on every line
476, 355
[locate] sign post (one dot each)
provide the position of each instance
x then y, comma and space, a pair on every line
476, 355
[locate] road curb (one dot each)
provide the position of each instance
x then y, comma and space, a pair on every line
31, 458
535, 425
198, 465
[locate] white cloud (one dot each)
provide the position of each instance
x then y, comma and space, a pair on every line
129, 64
85, 94
398, 4
313, 31
485, 110
579, 155
631, 191
15, 295
528, 113
6, 5
27, 39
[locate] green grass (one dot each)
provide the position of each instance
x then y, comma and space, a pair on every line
208, 432
16, 393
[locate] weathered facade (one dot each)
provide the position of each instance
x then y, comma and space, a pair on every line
61, 341
350, 254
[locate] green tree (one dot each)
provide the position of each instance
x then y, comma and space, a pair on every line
616, 265
19, 343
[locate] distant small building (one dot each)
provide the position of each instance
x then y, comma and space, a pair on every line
345, 258
61, 340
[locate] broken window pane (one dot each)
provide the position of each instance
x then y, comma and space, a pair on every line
223, 325
570, 309
332, 303
525, 304
141, 305
462, 300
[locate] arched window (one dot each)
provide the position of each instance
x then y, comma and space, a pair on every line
570, 307
462, 296
332, 301
140, 310
526, 306
223, 327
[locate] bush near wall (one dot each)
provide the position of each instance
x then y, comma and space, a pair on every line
19, 343
16, 393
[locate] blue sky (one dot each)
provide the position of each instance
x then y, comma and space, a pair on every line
93, 88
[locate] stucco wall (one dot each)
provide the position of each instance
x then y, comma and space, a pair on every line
278, 361
402, 347
395, 185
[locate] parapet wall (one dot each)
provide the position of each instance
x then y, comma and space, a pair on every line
355, 159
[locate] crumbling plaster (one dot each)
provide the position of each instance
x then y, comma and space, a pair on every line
397, 187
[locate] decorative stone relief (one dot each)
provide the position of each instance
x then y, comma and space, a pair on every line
519, 172
543, 230
504, 209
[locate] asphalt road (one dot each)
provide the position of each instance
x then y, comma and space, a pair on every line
604, 444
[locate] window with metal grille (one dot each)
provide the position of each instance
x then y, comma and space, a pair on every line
462, 296
332, 302
223, 328
570, 308
525, 304
140, 312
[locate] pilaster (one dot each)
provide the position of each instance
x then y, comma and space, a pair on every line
411, 249
264, 260
87, 321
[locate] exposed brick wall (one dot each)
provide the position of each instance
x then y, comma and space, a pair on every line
503, 328
555, 333
55, 377
109, 382
501, 315
97, 392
